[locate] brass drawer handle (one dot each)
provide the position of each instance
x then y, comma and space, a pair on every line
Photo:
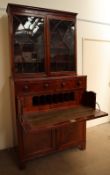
72, 121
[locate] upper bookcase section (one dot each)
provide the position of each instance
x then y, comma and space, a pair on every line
42, 41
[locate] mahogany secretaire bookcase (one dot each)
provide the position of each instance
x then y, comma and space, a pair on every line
52, 103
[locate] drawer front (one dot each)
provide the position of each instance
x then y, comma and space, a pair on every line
65, 84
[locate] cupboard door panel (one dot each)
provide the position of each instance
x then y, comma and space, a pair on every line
38, 143
71, 134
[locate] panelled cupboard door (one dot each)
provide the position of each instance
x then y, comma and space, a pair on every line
40, 142
71, 134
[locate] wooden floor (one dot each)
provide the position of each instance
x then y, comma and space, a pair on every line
93, 161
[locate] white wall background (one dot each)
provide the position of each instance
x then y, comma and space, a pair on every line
93, 23
95, 52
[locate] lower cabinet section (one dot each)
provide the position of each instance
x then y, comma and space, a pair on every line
57, 138
47, 133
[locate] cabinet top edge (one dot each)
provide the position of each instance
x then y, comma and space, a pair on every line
11, 6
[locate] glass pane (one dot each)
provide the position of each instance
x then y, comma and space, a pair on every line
28, 44
62, 45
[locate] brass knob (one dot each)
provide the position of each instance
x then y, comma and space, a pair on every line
78, 83
46, 85
26, 88
63, 84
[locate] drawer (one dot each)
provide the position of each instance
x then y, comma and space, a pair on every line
65, 84
80, 82
24, 87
